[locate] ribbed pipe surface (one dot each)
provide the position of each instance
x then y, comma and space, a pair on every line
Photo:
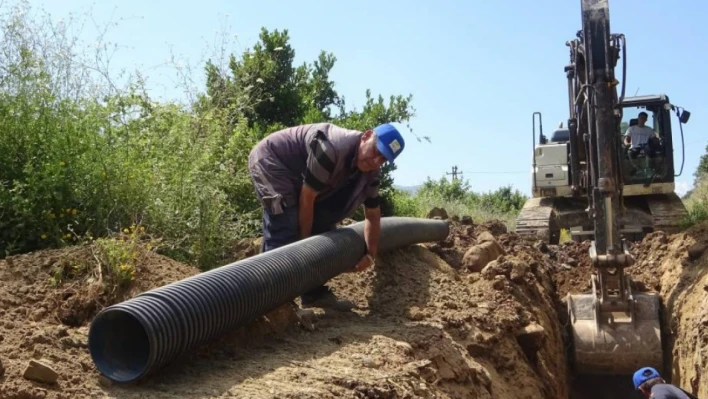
131, 339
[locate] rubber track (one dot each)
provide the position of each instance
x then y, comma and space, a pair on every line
668, 211
535, 218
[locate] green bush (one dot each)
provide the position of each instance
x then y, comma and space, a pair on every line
459, 200
404, 204
697, 201
83, 157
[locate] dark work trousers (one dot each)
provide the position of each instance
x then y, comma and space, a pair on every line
284, 229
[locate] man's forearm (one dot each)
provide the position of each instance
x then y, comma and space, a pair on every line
372, 230
304, 214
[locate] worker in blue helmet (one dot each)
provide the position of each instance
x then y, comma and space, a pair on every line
649, 383
309, 178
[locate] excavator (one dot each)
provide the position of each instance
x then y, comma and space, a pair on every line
588, 181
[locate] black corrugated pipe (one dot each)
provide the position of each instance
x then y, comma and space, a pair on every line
134, 338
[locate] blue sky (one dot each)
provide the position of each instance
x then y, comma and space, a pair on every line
476, 70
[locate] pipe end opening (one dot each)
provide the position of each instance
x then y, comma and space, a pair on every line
119, 345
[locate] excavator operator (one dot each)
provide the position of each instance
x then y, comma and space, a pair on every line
649, 384
308, 178
639, 134
640, 137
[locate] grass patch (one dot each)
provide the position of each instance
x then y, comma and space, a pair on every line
564, 236
458, 200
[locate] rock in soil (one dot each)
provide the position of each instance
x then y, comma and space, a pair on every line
696, 250
40, 372
437, 213
477, 257
531, 338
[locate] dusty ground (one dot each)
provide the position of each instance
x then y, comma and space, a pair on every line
423, 329
41, 321
426, 326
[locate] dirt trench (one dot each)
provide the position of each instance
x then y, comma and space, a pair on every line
429, 324
675, 266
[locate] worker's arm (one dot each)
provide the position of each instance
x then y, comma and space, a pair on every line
372, 230
306, 206
321, 160
372, 226
627, 136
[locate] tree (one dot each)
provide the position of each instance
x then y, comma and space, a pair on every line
454, 190
264, 87
702, 165
503, 199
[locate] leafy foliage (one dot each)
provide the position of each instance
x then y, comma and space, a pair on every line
702, 168
454, 190
84, 158
457, 198
697, 201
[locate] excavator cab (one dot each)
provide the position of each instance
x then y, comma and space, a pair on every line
652, 161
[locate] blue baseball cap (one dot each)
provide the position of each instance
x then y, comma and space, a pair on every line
643, 375
389, 141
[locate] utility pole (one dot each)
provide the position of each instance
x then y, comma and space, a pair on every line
454, 173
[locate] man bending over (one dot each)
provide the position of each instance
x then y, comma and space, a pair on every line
309, 178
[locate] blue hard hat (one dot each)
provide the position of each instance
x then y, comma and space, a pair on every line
643, 375
389, 141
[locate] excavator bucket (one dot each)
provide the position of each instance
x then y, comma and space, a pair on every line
615, 342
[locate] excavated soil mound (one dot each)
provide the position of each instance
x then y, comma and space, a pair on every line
677, 266
425, 327
575, 267
48, 322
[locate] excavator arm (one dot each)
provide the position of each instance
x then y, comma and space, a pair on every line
601, 107
614, 330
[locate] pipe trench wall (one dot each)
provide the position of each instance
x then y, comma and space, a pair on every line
137, 337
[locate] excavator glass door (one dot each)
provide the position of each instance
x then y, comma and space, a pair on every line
646, 147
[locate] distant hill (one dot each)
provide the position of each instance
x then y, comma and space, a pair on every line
411, 189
